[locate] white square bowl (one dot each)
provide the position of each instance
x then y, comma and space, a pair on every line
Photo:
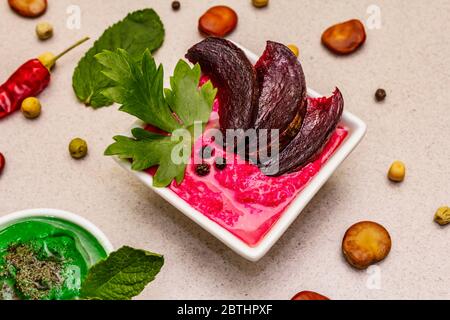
357, 129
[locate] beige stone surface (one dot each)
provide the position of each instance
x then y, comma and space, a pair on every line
409, 56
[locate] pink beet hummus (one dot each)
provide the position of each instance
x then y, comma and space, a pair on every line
240, 198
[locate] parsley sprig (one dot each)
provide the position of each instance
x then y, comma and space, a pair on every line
138, 87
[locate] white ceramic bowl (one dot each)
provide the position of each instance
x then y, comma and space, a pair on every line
357, 129
63, 215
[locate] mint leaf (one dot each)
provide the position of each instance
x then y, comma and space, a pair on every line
122, 276
139, 31
138, 86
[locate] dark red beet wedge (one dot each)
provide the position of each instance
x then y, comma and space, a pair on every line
322, 118
282, 87
233, 74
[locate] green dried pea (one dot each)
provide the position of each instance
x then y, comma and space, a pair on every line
260, 3
31, 108
78, 148
44, 30
442, 216
397, 171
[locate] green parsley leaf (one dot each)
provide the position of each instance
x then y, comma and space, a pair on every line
122, 276
189, 103
139, 31
138, 86
149, 149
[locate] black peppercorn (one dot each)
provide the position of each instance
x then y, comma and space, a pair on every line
176, 5
202, 169
221, 163
380, 95
206, 152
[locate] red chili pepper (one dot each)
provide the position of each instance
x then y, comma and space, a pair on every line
28, 81
2, 162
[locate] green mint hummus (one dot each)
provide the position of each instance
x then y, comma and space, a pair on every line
43, 258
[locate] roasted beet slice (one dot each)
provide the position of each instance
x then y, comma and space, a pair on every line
282, 87
233, 74
322, 117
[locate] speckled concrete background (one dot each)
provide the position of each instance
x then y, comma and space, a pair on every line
408, 56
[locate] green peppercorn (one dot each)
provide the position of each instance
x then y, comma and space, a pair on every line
203, 169
220, 163
176, 5
78, 148
380, 95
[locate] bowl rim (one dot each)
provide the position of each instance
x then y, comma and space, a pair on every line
63, 215
357, 130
